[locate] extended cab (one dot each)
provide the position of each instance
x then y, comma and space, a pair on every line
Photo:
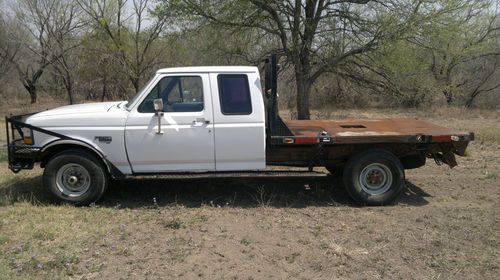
213, 120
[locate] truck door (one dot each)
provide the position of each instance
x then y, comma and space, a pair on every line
186, 142
240, 140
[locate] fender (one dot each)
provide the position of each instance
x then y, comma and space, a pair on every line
113, 170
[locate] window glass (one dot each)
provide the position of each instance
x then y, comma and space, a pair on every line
234, 94
179, 94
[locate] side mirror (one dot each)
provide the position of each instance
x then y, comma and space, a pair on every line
158, 104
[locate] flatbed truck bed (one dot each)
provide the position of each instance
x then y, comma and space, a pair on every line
374, 130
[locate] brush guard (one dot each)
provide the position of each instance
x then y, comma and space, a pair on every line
22, 156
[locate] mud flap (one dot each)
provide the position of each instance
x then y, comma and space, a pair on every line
446, 156
460, 147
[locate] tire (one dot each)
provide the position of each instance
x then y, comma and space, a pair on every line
76, 177
374, 177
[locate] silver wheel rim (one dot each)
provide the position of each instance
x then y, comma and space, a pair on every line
73, 180
375, 179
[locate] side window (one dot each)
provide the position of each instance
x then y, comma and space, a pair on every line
179, 94
234, 94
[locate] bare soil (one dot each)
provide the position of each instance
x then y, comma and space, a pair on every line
446, 224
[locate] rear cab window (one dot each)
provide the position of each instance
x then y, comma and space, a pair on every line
234, 94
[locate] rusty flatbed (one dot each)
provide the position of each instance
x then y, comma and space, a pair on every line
332, 142
351, 131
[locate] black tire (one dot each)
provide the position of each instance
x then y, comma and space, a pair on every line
374, 177
61, 171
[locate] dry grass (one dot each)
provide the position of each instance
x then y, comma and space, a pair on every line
445, 224
14, 106
489, 134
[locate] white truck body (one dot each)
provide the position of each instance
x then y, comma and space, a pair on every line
205, 140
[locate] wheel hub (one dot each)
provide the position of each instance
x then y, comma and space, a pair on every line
73, 179
375, 178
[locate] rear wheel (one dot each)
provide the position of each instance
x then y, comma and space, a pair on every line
374, 177
76, 177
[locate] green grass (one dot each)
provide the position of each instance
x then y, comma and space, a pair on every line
23, 187
43, 240
3, 154
491, 175
48, 241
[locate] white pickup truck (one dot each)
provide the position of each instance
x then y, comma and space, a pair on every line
212, 120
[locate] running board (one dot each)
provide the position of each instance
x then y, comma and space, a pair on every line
239, 174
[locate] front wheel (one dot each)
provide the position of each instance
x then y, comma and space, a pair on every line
76, 177
374, 177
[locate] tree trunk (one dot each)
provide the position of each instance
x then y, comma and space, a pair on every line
303, 88
33, 94
69, 90
30, 84
469, 102
449, 96
104, 91
303, 83
32, 90
135, 84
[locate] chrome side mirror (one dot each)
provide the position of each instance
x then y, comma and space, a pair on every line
158, 104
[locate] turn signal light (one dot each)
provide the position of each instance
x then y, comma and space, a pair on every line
27, 136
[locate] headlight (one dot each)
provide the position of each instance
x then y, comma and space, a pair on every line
27, 136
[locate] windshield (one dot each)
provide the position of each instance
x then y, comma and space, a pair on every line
134, 98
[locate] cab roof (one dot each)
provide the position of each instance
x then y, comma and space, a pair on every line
209, 69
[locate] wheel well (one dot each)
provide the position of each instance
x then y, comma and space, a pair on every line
56, 149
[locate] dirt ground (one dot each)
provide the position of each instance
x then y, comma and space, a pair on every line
446, 224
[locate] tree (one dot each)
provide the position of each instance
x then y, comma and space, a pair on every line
100, 71
462, 47
44, 28
65, 40
314, 36
132, 35
8, 49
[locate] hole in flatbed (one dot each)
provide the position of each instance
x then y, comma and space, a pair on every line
352, 126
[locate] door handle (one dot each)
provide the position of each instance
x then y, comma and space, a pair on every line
200, 122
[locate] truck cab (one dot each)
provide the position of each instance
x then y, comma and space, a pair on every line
212, 120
